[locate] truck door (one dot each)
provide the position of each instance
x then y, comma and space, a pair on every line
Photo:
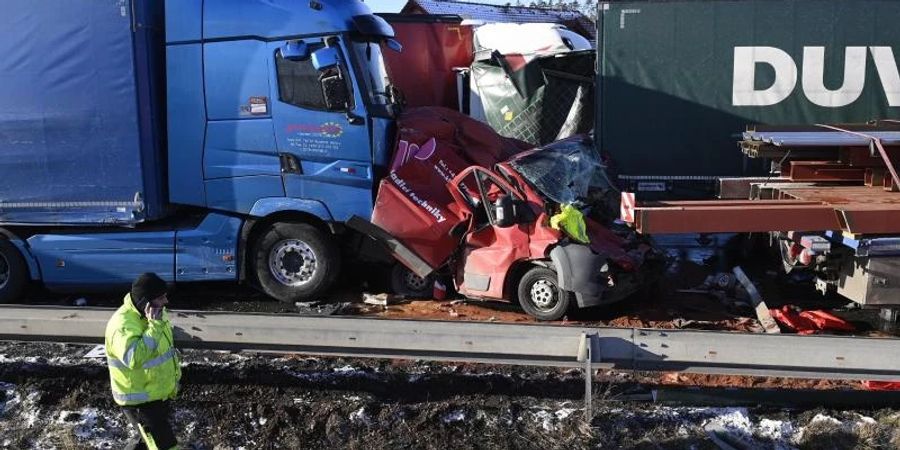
323, 141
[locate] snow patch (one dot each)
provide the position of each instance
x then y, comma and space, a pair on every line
550, 420
360, 416
865, 420
97, 428
52, 361
564, 413
29, 413
10, 397
822, 418
775, 430
734, 421
346, 369
545, 419
730, 426
415, 377
454, 416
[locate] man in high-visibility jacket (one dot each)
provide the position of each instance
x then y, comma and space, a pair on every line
143, 364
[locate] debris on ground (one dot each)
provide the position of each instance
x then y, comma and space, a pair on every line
382, 299
320, 308
882, 385
809, 322
759, 305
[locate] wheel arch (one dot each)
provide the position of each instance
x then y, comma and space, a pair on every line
517, 271
34, 270
254, 227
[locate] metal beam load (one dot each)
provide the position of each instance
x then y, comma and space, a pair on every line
807, 195
821, 138
831, 357
733, 216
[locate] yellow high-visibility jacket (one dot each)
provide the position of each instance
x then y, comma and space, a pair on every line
143, 362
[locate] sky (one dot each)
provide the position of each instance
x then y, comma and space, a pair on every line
395, 5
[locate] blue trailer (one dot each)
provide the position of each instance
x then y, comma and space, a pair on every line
199, 139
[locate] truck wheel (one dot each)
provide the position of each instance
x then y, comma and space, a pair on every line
405, 282
540, 295
296, 261
13, 272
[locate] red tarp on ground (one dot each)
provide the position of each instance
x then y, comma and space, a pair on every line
424, 69
433, 146
882, 385
809, 322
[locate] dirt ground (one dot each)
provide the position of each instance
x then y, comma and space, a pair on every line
53, 397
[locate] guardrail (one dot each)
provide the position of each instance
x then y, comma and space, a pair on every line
711, 352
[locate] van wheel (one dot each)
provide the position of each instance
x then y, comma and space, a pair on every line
13, 272
296, 261
405, 282
540, 295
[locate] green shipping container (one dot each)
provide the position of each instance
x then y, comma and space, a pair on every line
680, 80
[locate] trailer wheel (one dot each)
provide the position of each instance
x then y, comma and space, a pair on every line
295, 261
407, 283
540, 295
13, 272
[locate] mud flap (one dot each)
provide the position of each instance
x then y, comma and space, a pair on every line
400, 252
578, 270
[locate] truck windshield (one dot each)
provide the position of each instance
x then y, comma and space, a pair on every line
374, 72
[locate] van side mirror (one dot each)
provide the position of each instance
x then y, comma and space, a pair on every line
325, 58
295, 50
334, 89
505, 211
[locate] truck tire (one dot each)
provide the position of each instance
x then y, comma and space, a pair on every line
405, 282
295, 261
13, 272
540, 295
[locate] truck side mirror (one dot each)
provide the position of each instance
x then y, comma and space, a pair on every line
295, 50
334, 89
325, 58
504, 211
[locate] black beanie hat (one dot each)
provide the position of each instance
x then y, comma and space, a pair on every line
145, 288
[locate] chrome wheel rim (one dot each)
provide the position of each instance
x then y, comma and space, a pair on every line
292, 262
544, 295
414, 282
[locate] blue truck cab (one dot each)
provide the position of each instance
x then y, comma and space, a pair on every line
199, 139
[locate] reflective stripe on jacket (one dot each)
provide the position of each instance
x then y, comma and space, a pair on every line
140, 353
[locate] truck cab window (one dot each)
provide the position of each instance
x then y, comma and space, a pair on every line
298, 82
375, 76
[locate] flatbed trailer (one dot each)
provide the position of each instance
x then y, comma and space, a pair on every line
832, 205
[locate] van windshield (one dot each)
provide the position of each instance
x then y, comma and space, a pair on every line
563, 171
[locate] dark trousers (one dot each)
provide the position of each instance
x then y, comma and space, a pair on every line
152, 422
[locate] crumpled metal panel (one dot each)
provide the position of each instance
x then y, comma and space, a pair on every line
433, 146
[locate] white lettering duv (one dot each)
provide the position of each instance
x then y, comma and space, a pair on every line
746, 59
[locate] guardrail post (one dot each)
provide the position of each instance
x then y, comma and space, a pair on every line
585, 355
